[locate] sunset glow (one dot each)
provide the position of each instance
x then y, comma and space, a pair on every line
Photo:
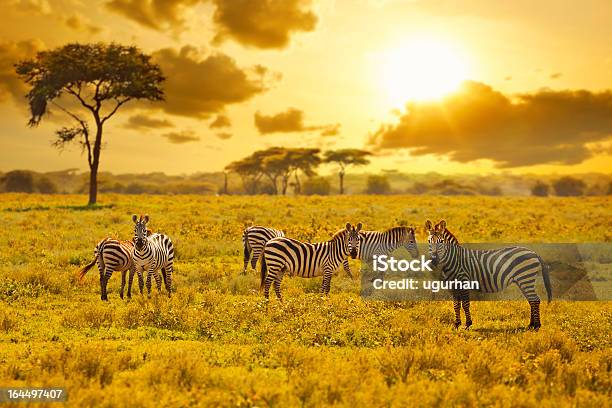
421, 69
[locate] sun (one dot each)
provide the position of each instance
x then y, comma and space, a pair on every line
422, 69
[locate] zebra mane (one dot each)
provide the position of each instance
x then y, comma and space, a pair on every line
449, 236
403, 229
339, 234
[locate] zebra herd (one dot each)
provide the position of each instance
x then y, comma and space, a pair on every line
148, 252
494, 270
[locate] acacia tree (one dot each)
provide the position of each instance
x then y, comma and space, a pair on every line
345, 158
250, 172
100, 78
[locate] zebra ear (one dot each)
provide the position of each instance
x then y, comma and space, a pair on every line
348, 226
135, 218
442, 225
359, 227
428, 225
146, 218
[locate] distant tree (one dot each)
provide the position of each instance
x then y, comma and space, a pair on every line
19, 181
250, 171
316, 186
378, 184
540, 189
46, 186
610, 188
569, 186
277, 164
345, 158
100, 78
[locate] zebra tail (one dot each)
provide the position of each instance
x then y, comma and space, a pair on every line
87, 267
546, 278
245, 243
264, 269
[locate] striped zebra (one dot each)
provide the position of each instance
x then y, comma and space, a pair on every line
253, 240
285, 255
113, 255
151, 253
494, 270
383, 242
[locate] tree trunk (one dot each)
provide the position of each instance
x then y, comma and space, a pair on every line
341, 174
93, 166
298, 185
225, 183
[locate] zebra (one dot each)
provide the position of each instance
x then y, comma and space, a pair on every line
494, 270
151, 253
376, 243
253, 240
113, 255
285, 255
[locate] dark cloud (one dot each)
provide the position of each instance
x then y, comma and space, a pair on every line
291, 120
155, 14
10, 54
142, 121
181, 137
478, 122
221, 121
556, 75
198, 86
262, 23
224, 135
256, 23
79, 23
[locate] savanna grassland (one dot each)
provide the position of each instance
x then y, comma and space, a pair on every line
217, 342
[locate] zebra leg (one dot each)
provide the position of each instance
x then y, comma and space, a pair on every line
140, 281
466, 308
123, 273
457, 307
149, 273
327, 275
535, 315
158, 280
268, 282
277, 289
347, 268
103, 286
130, 281
534, 303
256, 253
107, 274
167, 274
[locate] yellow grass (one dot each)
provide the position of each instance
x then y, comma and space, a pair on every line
216, 342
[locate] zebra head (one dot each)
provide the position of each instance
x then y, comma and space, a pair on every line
352, 239
140, 231
435, 240
410, 242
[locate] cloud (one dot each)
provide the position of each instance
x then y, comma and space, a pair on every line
331, 130
32, 6
155, 14
256, 23
478, 122
262, 23
291, 120
79, 23
10, 54
142, 121
181, 137
198, 87
221, 121
224, 135
556, 75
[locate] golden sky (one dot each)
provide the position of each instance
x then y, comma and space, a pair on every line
439, 85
